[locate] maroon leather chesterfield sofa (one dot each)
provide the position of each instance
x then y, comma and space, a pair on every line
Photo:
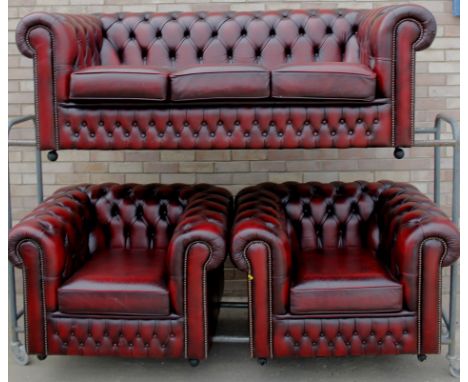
126, 270
342, 268
277, 79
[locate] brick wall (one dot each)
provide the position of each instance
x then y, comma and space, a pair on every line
437, 91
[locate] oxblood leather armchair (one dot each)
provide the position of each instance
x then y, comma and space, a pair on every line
342, 268
277, 79
127, 270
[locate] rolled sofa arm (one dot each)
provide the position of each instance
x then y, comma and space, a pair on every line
260, 247
59, 44
417, 240
48, 244
260, 217
75, 39
57, 226
197, 246
408, 218
378, 28
260, 242
388, 38
205, 220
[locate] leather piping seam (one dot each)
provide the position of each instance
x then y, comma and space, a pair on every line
249, 272
205, 321
270, 309
412, 81
54, 85
290, 73
439, 298
25, 293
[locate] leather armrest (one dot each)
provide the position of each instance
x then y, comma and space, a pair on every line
59, 44
260, 217
58, 227
407, 218
197, 246
74, 36
49, 245
205, 220
379, 26
260, 246
417, 240
388, 38
73, 41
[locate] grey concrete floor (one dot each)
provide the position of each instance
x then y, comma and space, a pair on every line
232, 362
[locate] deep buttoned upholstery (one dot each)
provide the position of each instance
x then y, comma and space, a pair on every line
130, 270
76, 97
342, 268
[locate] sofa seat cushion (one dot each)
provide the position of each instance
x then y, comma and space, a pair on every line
122, 82
343, 280
222, 81
117, 281
324, 80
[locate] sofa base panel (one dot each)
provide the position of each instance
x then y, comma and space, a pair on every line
344, 337
138, 338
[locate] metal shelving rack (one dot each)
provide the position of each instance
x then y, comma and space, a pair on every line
449, 319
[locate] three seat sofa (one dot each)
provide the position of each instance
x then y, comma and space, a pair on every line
277, 79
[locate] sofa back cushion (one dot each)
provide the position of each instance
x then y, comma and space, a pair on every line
334, 215
129, 216
272, 39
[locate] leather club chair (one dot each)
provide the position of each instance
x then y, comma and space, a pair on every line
276, 79
123, 270
342, 268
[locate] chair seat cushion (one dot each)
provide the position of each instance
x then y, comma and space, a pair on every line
117, 281
343, 280
119, 82
324, 80
222, 81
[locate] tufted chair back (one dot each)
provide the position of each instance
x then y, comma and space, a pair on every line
136, 217
334, 214
272, 39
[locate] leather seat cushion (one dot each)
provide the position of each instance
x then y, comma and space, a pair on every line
343, 280
119, 82
324, 80
221, 81
118, 281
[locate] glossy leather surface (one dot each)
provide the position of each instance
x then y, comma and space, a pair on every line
336, 81
340, 337
117, 282
63, 44
138, 338
411, 237
81, 231
343, 281
222, 127
121, 82
227, 81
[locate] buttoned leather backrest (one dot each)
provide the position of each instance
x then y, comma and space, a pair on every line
272, 39
135, 216
334, 214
